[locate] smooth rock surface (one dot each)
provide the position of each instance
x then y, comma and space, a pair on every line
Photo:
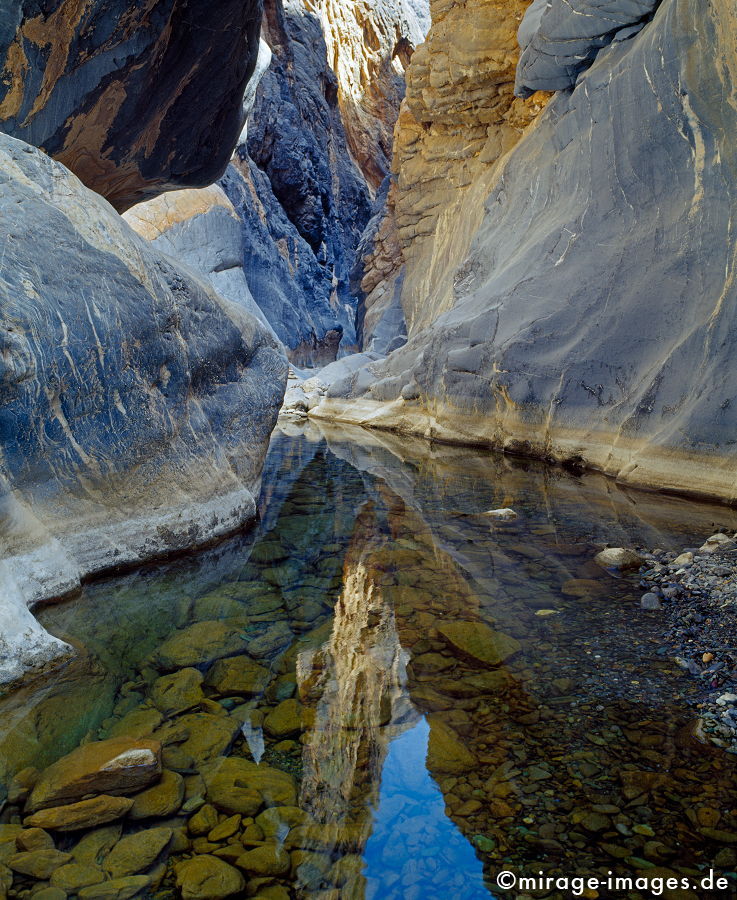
84, 814
551, 340
116, 766
136, 402
129, 95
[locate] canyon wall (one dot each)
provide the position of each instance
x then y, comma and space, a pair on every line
136, 403
585, 309
135, 98
317, 146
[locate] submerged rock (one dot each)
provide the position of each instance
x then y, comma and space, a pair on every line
84, 814
619, 558
235, 785
479, 643
161, 800
238, 675
208, 878
116, 888
200, 644
178, 692
115, 766
136, 852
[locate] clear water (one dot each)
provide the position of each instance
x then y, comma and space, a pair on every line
425, 771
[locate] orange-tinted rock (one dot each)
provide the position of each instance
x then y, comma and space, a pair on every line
116, 766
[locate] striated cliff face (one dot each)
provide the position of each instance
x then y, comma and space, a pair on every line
317, 145
459, 116
136, 403
586, 312
135, 98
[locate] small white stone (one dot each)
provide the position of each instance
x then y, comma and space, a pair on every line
501, 514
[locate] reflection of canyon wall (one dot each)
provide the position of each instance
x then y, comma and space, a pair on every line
358, 682
585, 306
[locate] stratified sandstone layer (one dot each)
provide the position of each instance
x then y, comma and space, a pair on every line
136, 403
135, 98
593, 317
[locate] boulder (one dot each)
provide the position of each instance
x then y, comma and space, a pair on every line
208, 878
116, 766
136, 852
83, 814
162, 800
479, 643
87, 108
178, 692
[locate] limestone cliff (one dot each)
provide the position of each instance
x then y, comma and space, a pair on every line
135, 98
136, 403
586, 308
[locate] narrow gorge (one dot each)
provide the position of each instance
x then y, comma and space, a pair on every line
367, 475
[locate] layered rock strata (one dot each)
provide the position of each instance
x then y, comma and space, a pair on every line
459, 116
136, 403
135, 98
592, 317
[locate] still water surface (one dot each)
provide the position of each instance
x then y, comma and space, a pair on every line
451, 696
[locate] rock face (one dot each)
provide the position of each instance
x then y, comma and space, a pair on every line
458, 118
592, 317
317, 146
136, 402
135, 98
201, 229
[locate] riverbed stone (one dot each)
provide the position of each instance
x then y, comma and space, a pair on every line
238, 675
178, 692
73, 877
162, 800
199, 644
274, 821
136, 852
284, 721
271, 641
236, 785
268, 860
619, 558
94, 846
203, 821
6, 879
116, 766
38, 864
208, 878
34, 838
446, 752
84, 814
477, 642
197, 737
138, 723
116, 889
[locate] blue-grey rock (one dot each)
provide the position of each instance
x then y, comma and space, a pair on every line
135, 97
599, 292
560, 38
136, 403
